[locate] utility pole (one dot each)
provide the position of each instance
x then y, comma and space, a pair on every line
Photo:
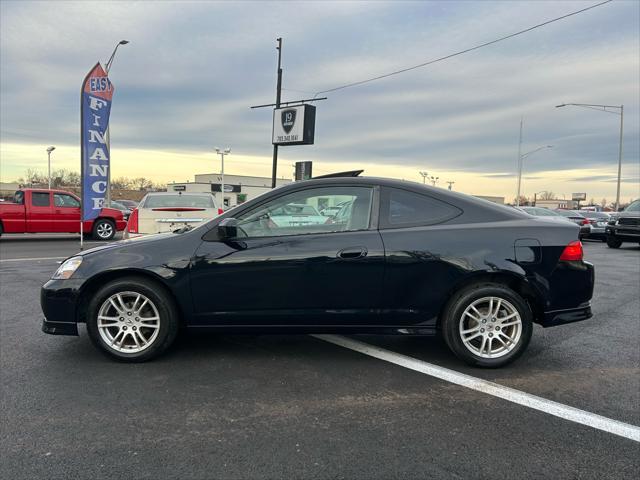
450, 184
274, 169
424, 176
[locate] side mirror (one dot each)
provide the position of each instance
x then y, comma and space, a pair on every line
227, 229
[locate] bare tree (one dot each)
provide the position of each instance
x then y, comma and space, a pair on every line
547, 195
524, 201
32, 177
121, 183
141, 183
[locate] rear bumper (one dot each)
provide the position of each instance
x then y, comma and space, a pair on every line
570, 315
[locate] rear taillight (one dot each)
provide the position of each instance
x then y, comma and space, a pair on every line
584, 222
132, 224
572, 252
220, 211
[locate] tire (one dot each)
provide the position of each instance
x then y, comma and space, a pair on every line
1, 229
131, 334
481, 348
104, 229
613, 242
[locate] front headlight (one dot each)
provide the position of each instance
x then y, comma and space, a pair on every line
67, 269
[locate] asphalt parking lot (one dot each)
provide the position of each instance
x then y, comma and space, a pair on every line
301, 407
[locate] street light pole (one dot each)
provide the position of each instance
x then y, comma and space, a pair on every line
434, 180
450, 182
222, 153
424, 176
521, 163
604, 108
107, 67
49, 150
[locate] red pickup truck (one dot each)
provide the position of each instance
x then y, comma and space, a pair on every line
55, 211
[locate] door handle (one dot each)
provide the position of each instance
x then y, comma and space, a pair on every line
353, 252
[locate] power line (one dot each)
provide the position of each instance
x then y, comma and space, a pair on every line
430, 62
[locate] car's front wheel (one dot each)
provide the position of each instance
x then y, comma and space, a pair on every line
487, 325
132, 319
613, 242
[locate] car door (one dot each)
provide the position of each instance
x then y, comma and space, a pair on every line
294, 273
419, 269
39, 212
66, 210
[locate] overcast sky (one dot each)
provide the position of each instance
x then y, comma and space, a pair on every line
192, 69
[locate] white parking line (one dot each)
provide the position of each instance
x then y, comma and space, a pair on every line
30, 259
516, 396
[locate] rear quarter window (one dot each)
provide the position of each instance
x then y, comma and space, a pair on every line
40, 199
403, 208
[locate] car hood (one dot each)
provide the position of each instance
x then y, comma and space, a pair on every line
124, 243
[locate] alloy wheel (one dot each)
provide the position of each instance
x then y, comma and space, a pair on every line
490, 327
128, 322
104, 230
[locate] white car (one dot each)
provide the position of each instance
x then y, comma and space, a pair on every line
296, 215
160, 212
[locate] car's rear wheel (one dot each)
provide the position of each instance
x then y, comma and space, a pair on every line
613, 242
487, 325
104, 229
132, 319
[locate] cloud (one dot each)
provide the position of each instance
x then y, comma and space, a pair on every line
186, 81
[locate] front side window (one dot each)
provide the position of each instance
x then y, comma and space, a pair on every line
40, 199
298, 213
63, 200
402, 208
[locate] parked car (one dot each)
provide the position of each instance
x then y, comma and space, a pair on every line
545, 213
330, 211
55, 211
577, 218
598, 222
161, 212
410, 259
294, 214
130, 204
625, 227
126, 211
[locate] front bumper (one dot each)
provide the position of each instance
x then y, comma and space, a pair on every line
59, 302
59, 328
629, 233
570, 315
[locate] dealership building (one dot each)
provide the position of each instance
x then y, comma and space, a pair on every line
237, 188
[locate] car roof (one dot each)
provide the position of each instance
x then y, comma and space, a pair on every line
468, 203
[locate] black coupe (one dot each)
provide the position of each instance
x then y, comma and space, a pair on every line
395, 257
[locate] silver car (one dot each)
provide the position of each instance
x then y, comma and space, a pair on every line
598, 221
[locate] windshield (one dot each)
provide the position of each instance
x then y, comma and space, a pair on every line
177, 200
634, 207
